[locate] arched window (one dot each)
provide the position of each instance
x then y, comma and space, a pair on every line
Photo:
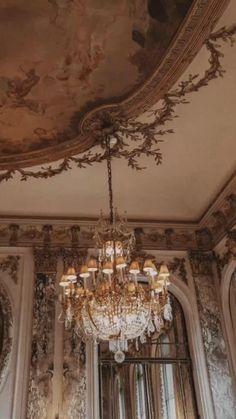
154, 382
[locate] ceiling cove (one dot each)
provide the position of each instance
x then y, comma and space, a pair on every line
66, 63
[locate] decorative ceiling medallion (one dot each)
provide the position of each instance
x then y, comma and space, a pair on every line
67, 62
130, 138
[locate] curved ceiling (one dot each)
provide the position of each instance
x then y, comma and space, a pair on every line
198, 160
66, 58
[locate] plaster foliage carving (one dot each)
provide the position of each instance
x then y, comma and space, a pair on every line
134, 138
224, 259
6, 325
177, 265
74, 376
201, 263
41, 368
80, 236
45, 260
73, 257
220, 221
231, 243
165, 238
204, 238
214, 344
10, 264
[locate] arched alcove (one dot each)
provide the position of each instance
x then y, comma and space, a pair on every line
228, 275
187, 299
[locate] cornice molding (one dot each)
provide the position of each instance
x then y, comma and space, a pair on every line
150, 234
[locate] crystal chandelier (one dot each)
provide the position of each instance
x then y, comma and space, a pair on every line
111, 298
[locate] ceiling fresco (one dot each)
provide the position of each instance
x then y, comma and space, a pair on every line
60, 59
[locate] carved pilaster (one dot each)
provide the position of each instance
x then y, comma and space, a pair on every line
214, 344
74, 372
42, 351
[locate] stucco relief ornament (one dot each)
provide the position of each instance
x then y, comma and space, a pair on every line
10, 264
133, 138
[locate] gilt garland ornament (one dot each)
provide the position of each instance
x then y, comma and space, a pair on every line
132, 138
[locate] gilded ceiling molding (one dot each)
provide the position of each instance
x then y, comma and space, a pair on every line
10, 264
6, 324
142, 138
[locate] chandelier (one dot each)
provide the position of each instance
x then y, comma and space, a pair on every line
112, 297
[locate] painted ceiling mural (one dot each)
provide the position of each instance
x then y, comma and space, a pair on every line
60, 59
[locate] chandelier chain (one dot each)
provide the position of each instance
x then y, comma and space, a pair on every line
109, 171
